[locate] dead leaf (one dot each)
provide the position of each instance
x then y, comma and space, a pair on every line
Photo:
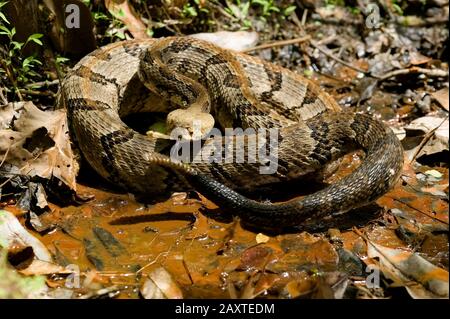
13, 233
39, 143
15, 285
441, 97
439, 141
40, 267
149, 290
123, 11
416, 58
255, 257
421, 278
161, 286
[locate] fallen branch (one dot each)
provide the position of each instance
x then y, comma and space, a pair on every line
331, 55
36, 93
313, 43
414, 69
42, 83
279, 43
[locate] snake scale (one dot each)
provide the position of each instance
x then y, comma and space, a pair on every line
190, 78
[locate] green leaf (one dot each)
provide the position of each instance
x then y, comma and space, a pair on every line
5, 30
35, 38
120, 35
100, 16
234, 10
30, 61
3, 3
397, 8
274, 9
17, 45
260, 2
247, 24
245, 8
61, 59
289, 10
2, 16
190, 11
150, 32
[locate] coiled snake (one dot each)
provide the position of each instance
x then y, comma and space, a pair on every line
193, 79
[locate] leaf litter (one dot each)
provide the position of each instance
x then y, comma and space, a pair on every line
114, 246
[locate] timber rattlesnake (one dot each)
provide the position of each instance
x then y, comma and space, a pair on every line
239, 91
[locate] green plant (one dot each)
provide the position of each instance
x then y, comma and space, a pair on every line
267, 6
240, 10
333, 3
195, 9
189, 10
18, 68
397, 7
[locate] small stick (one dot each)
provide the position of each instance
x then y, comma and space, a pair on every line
418, 210
414, 69
279, 43
304, 16
37, 93
6, 155
425, 140
331, 55
42, 83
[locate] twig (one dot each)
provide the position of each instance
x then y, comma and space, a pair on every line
414, 69
12, 78
8, 180
304, 16
414, 21
331, 55
42, 83
6, 155
279, 43
425, 140
420, 211
37, 93
219, 7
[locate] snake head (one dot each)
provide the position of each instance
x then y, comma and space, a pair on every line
189, 125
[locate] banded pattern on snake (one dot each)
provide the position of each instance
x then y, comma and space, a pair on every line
189, 79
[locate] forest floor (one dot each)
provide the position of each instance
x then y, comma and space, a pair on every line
66, 233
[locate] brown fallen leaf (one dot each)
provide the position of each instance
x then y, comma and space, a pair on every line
123, 11
421, 278
432, 125
39, 267
441, 97
37, 142
255, 257
416, 58
13, 233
